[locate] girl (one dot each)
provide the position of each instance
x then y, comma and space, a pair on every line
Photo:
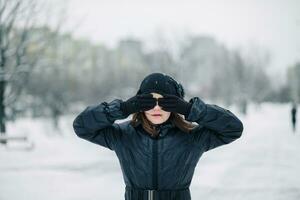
158, 149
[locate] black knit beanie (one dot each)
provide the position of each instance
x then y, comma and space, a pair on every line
162, 84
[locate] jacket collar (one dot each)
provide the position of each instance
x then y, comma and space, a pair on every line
162, 127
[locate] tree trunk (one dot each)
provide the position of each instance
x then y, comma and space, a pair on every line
2, 110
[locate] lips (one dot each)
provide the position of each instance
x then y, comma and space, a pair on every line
156, 115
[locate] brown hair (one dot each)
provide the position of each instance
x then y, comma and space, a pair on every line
174, 118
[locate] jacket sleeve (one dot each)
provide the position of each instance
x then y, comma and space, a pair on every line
216, 126
96, 124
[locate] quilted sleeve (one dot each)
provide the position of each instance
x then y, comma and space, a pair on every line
96, 124
216, 126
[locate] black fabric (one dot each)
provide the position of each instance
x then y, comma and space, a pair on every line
172, 103
164, 163
138, 103
161, 83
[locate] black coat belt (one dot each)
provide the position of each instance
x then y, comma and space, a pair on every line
143, 194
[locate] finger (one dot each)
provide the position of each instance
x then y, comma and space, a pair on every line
169, 96
143, 107
167, 109
167, 104
150, 103
147, 108
146, 98
142, 101
164, 102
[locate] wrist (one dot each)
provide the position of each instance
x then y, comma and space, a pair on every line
188, 109
123, 108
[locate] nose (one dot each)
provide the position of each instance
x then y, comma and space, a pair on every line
157, 106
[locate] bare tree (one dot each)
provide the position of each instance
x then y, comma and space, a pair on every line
20, 46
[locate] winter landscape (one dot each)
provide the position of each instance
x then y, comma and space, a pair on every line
57, 57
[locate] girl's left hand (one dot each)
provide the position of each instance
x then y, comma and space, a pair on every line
172, 103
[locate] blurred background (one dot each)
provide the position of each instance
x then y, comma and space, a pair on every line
58, 57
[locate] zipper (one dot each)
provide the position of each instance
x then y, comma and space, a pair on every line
155, 161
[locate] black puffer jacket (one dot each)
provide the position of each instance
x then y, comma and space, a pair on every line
165, 163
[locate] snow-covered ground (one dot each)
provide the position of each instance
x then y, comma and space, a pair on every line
262, 164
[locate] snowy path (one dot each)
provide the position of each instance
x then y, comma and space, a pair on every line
263, 164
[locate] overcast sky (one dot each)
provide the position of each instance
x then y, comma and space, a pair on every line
270, 24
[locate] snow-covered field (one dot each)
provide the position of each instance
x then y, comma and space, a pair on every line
262, 164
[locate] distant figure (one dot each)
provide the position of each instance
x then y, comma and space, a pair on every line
294, 114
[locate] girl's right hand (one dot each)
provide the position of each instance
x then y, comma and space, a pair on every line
138, 103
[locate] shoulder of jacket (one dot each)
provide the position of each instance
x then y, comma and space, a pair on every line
125, 125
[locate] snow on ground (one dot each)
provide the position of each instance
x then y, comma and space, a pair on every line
262, 164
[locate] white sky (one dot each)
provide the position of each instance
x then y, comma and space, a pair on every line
271, 24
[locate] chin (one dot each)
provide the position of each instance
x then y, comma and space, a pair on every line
158, 121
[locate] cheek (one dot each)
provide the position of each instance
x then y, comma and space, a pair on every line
166, 115
146, 113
